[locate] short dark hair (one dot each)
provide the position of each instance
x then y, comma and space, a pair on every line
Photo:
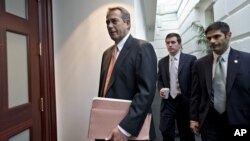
170, 35
222, 26
125, 14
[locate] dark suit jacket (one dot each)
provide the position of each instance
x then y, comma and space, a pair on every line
237, 88
184, 73
184, 76
133, 78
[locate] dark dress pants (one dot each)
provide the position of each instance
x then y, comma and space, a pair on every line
175, 110
216, 126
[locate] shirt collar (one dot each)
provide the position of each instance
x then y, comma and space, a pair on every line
177, 56
122, 42
224, 55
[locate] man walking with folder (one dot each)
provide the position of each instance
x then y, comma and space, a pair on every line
128, 71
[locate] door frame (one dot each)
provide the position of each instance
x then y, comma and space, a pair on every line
49, 126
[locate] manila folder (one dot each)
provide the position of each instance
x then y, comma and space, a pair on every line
106, 114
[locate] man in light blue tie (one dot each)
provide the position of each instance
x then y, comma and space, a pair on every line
221, 90
218, 85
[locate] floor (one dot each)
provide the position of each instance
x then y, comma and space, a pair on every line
197, 138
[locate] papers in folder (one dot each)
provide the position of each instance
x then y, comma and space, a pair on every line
106, 114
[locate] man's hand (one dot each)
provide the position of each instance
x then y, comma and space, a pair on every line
194, 125
116, 135
162, 94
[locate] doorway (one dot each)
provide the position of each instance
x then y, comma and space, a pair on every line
27, 97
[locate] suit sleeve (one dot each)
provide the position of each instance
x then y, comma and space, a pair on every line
195, 94
160, 83
145, 77
101, 78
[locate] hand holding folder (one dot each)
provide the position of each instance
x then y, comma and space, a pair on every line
106, 114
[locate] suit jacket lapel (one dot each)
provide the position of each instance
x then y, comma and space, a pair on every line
209, 73
166, 69
233, 65
181, 63
106, 62
124, 52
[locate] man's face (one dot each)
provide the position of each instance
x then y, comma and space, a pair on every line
218, 41
117, 28
172, 45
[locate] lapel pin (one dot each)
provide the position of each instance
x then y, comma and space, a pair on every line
235, 61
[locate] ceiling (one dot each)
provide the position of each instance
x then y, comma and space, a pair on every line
168, 6
152, 8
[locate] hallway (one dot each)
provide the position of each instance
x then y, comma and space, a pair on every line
80, 37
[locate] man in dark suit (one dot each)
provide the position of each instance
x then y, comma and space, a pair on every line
174, 74
133, 77
216, 106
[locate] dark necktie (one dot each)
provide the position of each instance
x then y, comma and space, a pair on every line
219, 88
110, 70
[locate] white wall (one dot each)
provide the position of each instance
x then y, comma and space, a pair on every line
231, 11
80, 37
189, 12
236, 14
140, 27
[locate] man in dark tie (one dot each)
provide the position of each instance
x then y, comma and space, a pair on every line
221, 89
128, 71
174, 84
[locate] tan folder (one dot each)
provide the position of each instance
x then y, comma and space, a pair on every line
106, 114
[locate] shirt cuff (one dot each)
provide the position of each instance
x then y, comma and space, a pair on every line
124, 131
192, 121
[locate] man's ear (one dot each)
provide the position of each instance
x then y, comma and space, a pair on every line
229, 34
129, 24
